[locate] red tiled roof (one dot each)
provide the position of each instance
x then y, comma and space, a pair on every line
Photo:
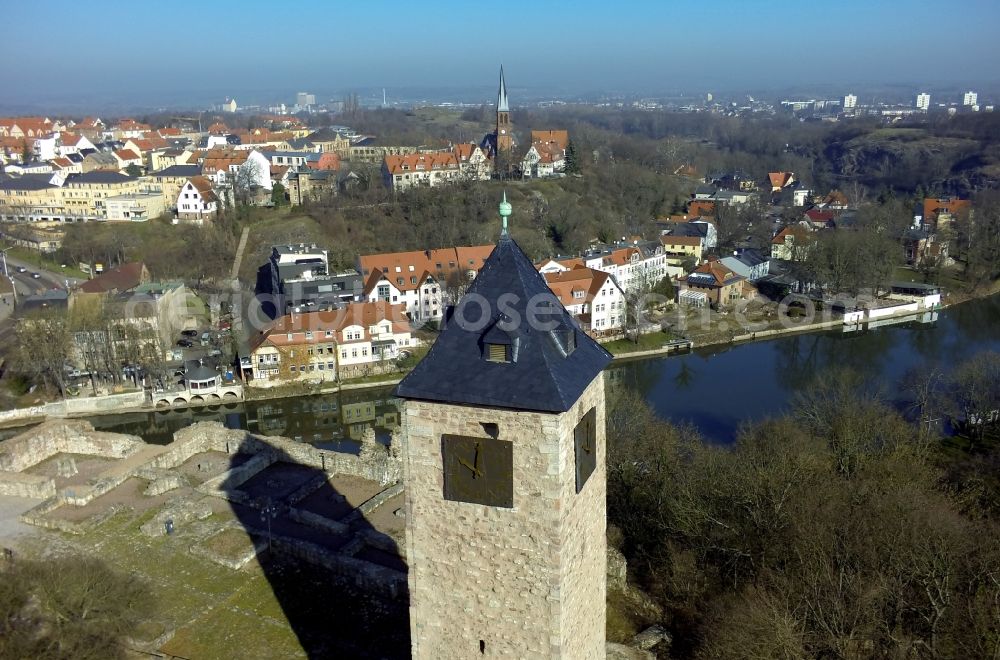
717, 271
780, 179
442, 160
124, 278
423, 263
560, 138
362, 314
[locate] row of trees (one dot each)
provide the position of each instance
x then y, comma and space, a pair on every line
99, 338
826, 533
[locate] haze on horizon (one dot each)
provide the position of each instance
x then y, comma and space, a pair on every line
116, 50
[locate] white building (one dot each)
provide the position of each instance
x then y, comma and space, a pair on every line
593, 297
304, 99
419, 280
197, 200
422, 169
642, 264
850, 102
970, 98
923, 101
257, 171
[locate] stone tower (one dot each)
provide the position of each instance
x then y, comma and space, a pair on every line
505, 481
505, 136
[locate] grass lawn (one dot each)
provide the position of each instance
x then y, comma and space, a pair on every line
647, 342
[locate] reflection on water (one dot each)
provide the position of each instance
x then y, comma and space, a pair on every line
330, 421
715, 388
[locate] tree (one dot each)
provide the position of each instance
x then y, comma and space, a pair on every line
69, 607
974, 394
26, 151
44, 347
278, 197
248, 176
572, 160
133, 170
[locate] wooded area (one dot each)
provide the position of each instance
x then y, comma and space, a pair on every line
840, 530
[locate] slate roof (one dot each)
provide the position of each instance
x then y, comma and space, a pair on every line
546, 373
180, 171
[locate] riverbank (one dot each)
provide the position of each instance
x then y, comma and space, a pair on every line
650, 346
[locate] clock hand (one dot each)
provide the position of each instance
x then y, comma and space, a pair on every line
475, 471
476, 459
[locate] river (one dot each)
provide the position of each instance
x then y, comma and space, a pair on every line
715, 388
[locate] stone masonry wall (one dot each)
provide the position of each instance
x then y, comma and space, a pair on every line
64, 436
529, 582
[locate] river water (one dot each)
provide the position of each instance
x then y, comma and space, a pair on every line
715, 388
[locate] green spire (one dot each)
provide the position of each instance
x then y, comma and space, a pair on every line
505, 211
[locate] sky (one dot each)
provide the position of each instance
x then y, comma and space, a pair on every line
126, 50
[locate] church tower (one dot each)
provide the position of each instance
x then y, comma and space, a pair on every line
505, 136
503, 453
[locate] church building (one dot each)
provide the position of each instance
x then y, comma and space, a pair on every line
502, 138
504, 464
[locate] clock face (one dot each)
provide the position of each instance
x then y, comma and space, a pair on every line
585, 447
503, 131
478, 470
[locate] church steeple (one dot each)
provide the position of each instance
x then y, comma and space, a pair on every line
504, 136
502, 105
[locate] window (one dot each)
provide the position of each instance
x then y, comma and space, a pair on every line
354, 352
292, 368
498, 353
343, 354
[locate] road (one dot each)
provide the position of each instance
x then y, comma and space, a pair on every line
27, 285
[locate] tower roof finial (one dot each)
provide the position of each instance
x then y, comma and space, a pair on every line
505, 211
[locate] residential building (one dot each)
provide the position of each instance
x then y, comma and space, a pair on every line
970, 98
791, 243
780, 180
85, 195
127, 157
923, 101
136, 207
300, 278
170, 180
123, 279
850, 102
679, 250
751, 264
229, 105
472, 162
101, 161
423, 281
593, 297
197, 200
371, 153
720, 285
40, 239
923, 246
701, 228
543, 159
640, 265
308, 184
938, 213
423, 169
353, 340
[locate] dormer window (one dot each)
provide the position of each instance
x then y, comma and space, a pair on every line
498, 352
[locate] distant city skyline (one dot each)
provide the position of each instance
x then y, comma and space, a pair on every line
638, 47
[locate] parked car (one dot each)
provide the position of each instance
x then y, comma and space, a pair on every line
36, 275
214, 353
22, 269
189, 333
185, 343
78, 373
